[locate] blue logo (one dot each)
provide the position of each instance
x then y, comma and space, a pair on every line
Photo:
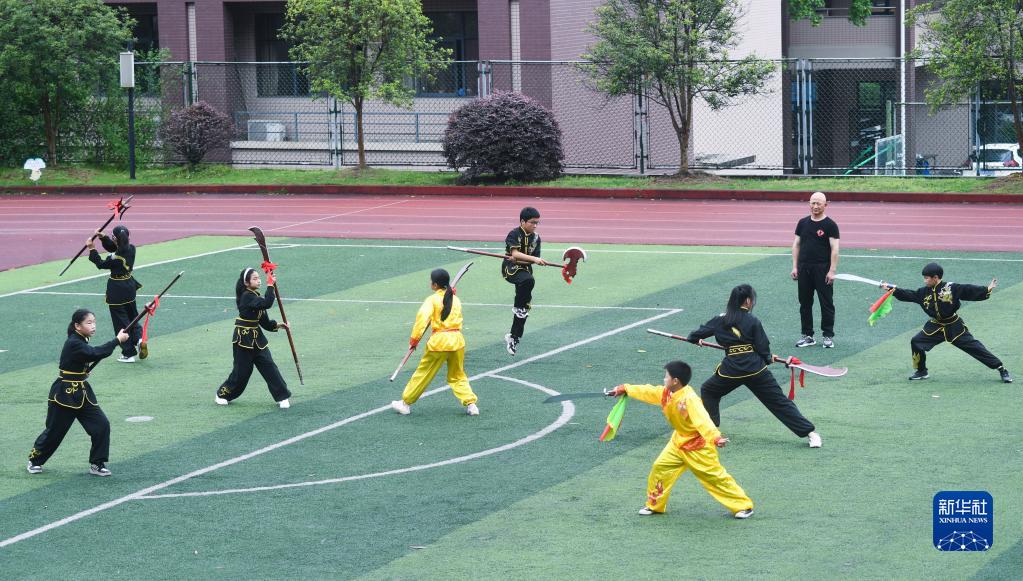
963, 520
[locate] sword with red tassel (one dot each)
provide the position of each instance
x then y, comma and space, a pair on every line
792, 363
413, 346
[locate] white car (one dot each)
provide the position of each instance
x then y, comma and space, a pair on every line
994, 159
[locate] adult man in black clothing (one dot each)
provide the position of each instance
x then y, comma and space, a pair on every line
941, 301
814, 262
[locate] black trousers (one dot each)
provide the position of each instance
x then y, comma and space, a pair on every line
121, 315
244, 361
59, 420
812, 279
921, 343
524, 282
766, 388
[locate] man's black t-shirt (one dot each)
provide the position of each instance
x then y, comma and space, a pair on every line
814, 240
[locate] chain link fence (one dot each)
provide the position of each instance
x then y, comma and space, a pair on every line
819, 116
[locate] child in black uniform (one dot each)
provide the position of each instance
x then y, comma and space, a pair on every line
121, 289
250, 345
746, 359
72, 398
941, 301
523, 245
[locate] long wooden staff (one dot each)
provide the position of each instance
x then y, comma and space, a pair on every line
261, 241
408, 353
119, 207
149, 308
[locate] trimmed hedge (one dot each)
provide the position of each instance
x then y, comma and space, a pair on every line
504, 135
193, 131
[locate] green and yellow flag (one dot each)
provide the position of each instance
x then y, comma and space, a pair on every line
614, 419
880, 308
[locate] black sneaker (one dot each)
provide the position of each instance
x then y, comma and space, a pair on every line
806, 341
919, 375
1006, 378
99, 470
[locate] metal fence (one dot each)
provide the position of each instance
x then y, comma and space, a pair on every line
819, 116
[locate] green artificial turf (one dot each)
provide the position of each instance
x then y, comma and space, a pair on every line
558, 506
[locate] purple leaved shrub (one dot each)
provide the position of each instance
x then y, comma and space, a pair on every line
504, 135
193, 131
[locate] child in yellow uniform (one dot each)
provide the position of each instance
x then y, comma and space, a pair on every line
692, 445
443, 312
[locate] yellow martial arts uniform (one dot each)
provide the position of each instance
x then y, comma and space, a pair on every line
446, 345
685, 412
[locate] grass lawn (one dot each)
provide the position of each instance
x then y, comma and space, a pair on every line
219, 174
340, 487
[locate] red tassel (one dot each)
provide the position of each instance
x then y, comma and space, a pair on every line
150, 309
792, 377
267, 266
116, 206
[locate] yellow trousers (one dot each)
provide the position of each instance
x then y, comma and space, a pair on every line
429, 365
707, 468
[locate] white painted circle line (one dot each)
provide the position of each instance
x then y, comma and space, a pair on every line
567, 411
168, 483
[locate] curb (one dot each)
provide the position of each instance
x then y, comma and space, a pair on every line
524, 191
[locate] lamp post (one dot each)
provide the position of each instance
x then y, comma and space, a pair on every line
128, 82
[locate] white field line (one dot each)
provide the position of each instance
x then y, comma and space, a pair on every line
370, 301
151, 489
158, 263
662, 252
336, 216
567, 411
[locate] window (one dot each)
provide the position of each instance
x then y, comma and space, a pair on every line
456, 31
282, 78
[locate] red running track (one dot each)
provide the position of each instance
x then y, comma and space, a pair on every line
38, 228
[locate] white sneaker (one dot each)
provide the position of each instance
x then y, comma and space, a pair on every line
124, 359
647, 511
511, 344
34, 469
806, 341
744, 513
815, 439
99, 470
220, 401
401, 407
472, 410
284, 404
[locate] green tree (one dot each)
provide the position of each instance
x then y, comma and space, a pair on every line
359, 50
969, 43
859, 10
673, 52
53, 54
